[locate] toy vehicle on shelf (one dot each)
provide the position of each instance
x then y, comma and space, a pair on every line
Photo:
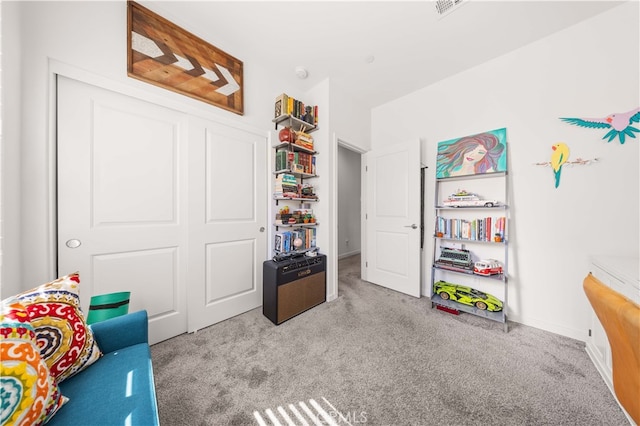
454, 258
463, 198
467, 295
487, 267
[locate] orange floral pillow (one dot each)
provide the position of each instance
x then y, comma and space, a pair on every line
66, 342
30, 395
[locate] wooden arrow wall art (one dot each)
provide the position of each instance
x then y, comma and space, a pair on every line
161, 53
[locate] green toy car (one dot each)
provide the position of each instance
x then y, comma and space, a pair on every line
467, 295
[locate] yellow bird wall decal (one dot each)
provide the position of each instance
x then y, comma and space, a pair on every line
559, 156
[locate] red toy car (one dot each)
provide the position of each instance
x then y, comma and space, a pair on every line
487, 267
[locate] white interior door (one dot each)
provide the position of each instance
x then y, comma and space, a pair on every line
227, 230
122, 209
393, 217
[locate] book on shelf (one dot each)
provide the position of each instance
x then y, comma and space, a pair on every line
285, 179
281, 160
305, 137
312, 237
305, 160
470, 229
281, 107
297, 108
304, 144
286, 241
278, 243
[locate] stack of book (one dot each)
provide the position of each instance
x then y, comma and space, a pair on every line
304, 140
299, 162
286, 105
474, 229
307, 161
286, 186
284, 241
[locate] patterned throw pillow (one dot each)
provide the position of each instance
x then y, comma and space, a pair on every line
66, 342
30, 395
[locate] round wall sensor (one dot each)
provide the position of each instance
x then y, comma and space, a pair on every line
302, 72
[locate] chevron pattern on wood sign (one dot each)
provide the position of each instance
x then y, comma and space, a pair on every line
161, 53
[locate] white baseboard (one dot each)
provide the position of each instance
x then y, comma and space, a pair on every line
552, 327
351, 253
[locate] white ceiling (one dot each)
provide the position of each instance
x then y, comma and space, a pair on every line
411, 46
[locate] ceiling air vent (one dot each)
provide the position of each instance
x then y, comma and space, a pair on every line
445, 7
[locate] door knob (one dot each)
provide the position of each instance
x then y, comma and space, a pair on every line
73, 243
412, 226
262, 229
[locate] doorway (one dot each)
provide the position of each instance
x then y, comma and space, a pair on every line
349, 235
389, 217
349, 200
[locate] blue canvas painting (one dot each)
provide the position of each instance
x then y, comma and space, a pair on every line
475, 154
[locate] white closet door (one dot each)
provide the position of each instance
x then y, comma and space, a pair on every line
167, 206
122, 209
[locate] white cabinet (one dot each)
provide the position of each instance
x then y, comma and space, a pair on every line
620, 274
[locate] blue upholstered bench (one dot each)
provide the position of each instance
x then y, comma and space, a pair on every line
119, 388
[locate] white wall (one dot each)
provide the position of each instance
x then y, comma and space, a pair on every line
10, 168
349, 222
323, 185
349, 120
588, 70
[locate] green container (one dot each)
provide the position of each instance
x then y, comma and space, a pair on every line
105, 306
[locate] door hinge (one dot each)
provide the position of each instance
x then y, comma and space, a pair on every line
366, 168
589, 332
366, 216
366, 264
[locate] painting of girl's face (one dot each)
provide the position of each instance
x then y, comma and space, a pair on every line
474, 154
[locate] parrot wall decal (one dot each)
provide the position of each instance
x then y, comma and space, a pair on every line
559, 156
619, 123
